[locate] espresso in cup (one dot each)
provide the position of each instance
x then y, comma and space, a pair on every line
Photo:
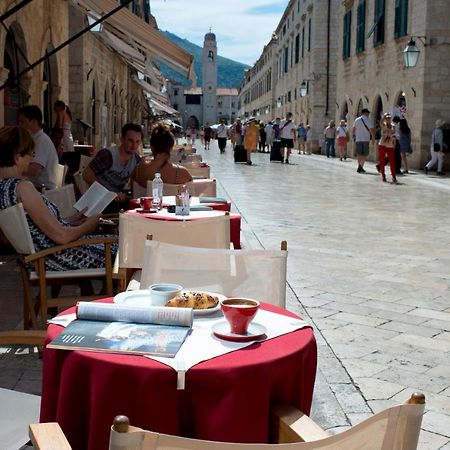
146, 203
239, 312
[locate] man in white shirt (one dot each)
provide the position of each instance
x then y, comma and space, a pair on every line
287, 128
363, 134
43, 170
222, 134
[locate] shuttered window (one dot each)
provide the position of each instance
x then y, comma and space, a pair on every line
297, 48
347, 34
378, 24
401, 18
361, 26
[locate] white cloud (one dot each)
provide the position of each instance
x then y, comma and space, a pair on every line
241, 32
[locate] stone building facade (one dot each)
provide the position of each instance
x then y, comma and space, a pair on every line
300, 54
107, 77
371, 72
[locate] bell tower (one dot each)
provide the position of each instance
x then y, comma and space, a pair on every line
209, 78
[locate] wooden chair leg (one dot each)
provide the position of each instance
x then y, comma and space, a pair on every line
40, 269
29, 314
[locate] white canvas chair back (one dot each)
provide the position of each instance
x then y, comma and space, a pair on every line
81, 185
133, 231
64, 198
139, 191
60, 175
197, 188
257, 274
197, 171
14, 225
84, 162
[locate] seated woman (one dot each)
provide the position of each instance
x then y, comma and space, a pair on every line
161, 143
47, 227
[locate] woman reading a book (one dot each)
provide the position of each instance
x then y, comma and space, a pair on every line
47, 227
161, 143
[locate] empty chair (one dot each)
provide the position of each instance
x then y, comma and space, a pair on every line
60, 175
213, 232
84, 162
81, 185
197, 171
64, 198
395, 428
197, 188
258, 274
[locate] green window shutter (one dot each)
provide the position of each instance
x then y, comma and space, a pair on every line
303, 42
297, 48
346, 38
361, 27
401, 18
309, 35
378, 28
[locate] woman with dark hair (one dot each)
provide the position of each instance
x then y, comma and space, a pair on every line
64, 122
161, 143
47, 227
404, 142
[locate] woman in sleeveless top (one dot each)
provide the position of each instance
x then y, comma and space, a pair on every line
387, 146
64, 122
47, 227
161, 143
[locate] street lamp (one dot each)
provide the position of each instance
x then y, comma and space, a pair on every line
411, 52
304, 88
279, 102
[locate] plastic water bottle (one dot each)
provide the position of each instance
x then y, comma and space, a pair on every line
157, 191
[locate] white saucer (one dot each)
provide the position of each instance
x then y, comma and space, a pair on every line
146, 211
222, 330
141, 298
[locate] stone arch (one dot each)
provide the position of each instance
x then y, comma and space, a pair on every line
376, 113
51, 88
16, 92
193, 122
105, 128
359, 108
95, 107
344, 113
400, 105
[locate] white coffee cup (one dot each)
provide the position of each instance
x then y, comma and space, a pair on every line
161, 293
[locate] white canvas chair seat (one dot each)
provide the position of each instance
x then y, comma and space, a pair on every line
395, 428
258, 274
81, 185
84, 162
64, 198
61, 171
17, 411
213, 232
14, 225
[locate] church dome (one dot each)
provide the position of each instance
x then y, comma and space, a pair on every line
210, 36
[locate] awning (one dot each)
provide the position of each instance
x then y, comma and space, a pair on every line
152, 91
139, 34
162, 108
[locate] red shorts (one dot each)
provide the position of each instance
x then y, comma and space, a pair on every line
342, 141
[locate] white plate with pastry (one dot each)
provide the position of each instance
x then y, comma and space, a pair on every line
202, 302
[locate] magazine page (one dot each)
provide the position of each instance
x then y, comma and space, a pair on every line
96, 199
160, 315
121, 337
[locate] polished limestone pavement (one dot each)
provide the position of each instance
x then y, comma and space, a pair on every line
368, 267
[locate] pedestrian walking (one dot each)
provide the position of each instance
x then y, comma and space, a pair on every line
342, 139
363, 134
262, 137
251, 139
269, 136
301, 138
208, 131
330, 138
404, 138
308, 139
287, 128
386, 146
437, 149
222, 134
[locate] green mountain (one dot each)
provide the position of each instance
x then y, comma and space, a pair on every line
229, 72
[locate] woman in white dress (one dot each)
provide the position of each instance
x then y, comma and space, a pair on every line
64, 122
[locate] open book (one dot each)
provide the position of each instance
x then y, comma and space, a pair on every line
105, 327
96, 199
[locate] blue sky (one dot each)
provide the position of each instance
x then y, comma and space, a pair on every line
242, 27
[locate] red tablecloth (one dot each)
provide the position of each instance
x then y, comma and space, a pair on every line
235, 223
226, 398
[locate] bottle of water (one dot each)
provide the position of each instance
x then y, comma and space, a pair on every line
157, 191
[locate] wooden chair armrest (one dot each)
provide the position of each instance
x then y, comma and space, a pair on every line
77, 243
23, 337
292, 425
48, 436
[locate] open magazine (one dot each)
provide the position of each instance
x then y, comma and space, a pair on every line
96, 199
104, 327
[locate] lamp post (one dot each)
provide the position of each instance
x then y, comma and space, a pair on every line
411, 52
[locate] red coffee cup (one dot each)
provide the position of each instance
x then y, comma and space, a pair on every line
146, 203
239, 312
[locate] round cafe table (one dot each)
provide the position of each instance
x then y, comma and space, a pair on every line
225, 399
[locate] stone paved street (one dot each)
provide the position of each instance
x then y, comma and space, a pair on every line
368, 267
